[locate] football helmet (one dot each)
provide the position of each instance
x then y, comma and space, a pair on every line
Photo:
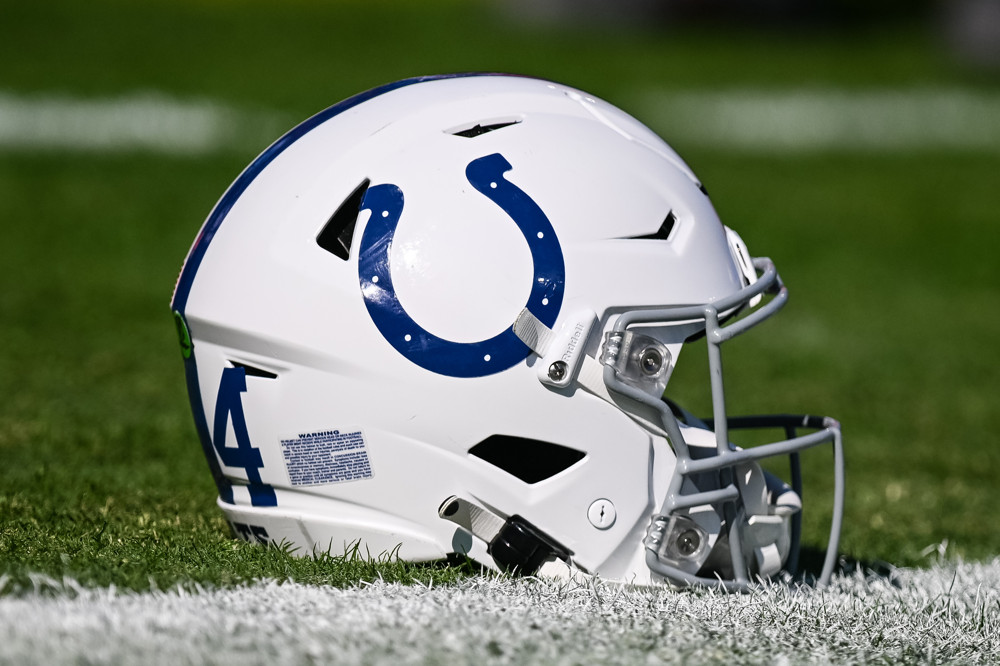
441, 317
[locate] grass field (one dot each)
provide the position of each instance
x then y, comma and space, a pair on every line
889, 255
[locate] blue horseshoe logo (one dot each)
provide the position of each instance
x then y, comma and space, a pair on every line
445, 357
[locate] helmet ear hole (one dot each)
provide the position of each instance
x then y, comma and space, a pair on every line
337, 235
530, 460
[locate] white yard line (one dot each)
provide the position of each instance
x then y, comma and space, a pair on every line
806, 120
827, 119
151, 122
946, 613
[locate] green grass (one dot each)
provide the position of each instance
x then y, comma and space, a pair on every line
892, 325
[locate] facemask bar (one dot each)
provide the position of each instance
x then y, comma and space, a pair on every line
727, 497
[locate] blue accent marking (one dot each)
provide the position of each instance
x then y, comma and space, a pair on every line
229, 406
201, 425
445, 357
214, 221
546, 253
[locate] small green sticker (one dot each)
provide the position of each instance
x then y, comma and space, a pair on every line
183, 334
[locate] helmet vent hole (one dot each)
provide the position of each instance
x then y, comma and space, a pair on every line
666, 227
479, 129
338, 233
252, 371
530, 460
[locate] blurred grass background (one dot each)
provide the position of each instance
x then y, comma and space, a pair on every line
893, 325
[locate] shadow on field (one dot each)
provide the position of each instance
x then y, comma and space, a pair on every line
810, 567
811, 564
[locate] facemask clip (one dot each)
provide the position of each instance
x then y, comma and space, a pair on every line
676, 540
639, 360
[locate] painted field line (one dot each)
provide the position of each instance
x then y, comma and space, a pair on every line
945, 614
827, 119
148, 121
739, 119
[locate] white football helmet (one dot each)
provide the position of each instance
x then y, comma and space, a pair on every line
439, 318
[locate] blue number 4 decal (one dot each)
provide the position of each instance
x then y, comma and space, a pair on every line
229, 407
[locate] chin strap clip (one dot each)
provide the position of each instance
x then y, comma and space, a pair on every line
516, 545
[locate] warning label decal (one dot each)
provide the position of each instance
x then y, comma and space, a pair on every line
327, 456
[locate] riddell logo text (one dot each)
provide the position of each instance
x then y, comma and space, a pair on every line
574, 341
